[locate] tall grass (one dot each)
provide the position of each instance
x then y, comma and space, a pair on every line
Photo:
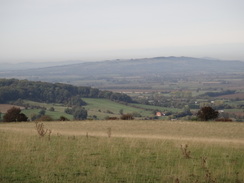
25, 157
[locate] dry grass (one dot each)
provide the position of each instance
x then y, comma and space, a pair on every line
205, 132
150, 151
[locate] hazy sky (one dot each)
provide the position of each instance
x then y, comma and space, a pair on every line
59, 30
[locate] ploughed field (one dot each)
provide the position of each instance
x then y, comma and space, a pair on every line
122, 151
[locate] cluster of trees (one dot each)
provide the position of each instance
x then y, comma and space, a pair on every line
41, 116
14, 115
183, 114
79, 113
163, 101
180, 99
216, 94
13, 89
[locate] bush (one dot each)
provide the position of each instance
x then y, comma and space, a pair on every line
51, 109
109, 112
62, 118
68, 111
224, 120
111, 118
136, 114
42, 112
45, 118
127, 117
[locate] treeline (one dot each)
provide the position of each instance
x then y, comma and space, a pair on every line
217, 94
14, 89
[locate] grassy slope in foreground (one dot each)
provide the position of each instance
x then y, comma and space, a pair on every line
70, 156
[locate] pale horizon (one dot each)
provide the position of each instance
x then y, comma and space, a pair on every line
92, 30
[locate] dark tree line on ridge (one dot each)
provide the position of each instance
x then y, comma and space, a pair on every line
14, 89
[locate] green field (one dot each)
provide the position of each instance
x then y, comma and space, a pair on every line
104, 107
137, 151
59, 110
101, 108
158, 108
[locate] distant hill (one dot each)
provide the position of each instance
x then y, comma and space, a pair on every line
33, 65
134, 67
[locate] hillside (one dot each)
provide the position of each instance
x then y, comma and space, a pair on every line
34, 97
164, 66
13, 89
97, 108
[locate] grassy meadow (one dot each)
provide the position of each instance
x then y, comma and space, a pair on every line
123, 151
101, 108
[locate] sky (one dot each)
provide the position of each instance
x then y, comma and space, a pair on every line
93, 30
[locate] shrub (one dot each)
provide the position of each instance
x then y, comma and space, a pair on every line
109, 112
68, 111
51, 109
45, 118
42, 131
42, 112
62, 118
136, 114
224, 119
127, 117
111, 118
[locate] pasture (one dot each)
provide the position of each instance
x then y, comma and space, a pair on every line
101, 108
123, 151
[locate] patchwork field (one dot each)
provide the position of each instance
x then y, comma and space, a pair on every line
101, 108
123, 151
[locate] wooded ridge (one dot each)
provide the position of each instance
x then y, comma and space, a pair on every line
14, 89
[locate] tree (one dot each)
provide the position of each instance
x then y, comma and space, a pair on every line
76, 101
22, 117
121, 111
13, 89
80, 113
14, 115
42, 112
51, 109
207, 113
